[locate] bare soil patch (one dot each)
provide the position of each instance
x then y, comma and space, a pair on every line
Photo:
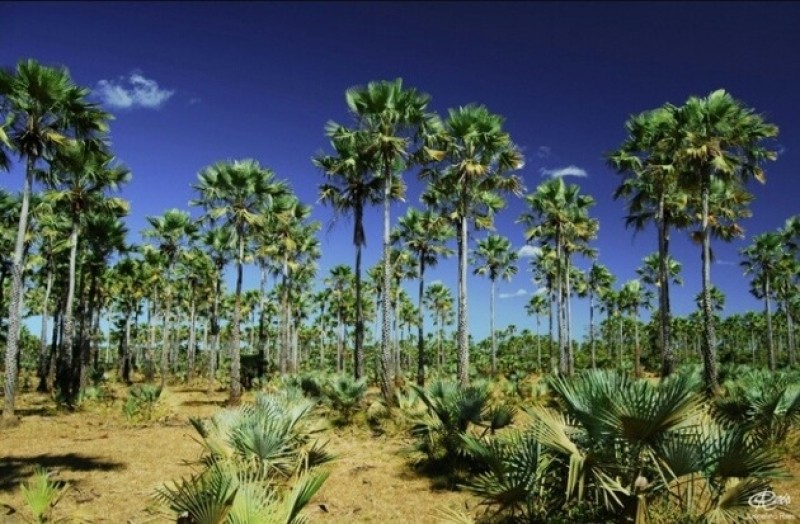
113, 466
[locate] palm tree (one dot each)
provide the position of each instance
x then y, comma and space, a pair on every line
495, 258
633, 296
424, 234
173, 231
722, 139
389, 117
646, 159
439, 300
598, 280
82, 172
240, 195
762, 259
559, 214
46, 110
339, 282
537, 306
403, 268
220, 244
352, 185
478, 157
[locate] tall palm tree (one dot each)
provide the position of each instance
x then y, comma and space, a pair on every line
647, 160
173, 231
424, 234
537, 306
439, 300
46, 109
339, 283
390, 118
762, 259
477, 159
719, 138
559, 216
219, 243
632, 297
82, 173
239, 195
598, 279
495, 259
352, 184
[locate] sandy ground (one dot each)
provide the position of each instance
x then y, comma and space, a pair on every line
113, 466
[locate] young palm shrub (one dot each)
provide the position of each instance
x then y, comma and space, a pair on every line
223, 493
41, 494
258, 464
142, 402
345, 394
623, 444
450, 413
764, 404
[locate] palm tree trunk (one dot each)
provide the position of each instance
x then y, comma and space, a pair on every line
125, 360
151, 325
284, 327
568, 318
591, 328
215, 329
166, 327
768, 314
43, 360
190, 351
463, 334
538, 343
420, 322
491, 328
708, 347
637, 350
665, 331
340, 342
789, 332
387, 388
358, 350
236, 364
550, 354
65, 367
14, 317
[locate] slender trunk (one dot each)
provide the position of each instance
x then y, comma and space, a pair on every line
768, 314
65, 375
213, 354
358, 350
125, 361
563, 357
284, 327
789, 332
85, 341
17, 299
387, 388
568, 316
538, 343
396, 329
463, 333
190, 351
708, 347
491, 328
550, 354
420, 322
149, 370
166, 326
665, 331
340, 341
43, 360
591, 328
236, 365
439, 353
261, 367
637, 351
55, 343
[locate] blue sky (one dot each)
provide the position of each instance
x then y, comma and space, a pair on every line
194, 83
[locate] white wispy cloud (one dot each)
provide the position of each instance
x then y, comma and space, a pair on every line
563, 171
529, 252
726, 263
195, 100
518, 293
131, 92
543, 152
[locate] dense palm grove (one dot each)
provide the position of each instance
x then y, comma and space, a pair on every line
161, 311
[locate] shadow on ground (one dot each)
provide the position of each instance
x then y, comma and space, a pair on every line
14, 470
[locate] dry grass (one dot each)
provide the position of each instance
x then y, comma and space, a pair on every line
114, 466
